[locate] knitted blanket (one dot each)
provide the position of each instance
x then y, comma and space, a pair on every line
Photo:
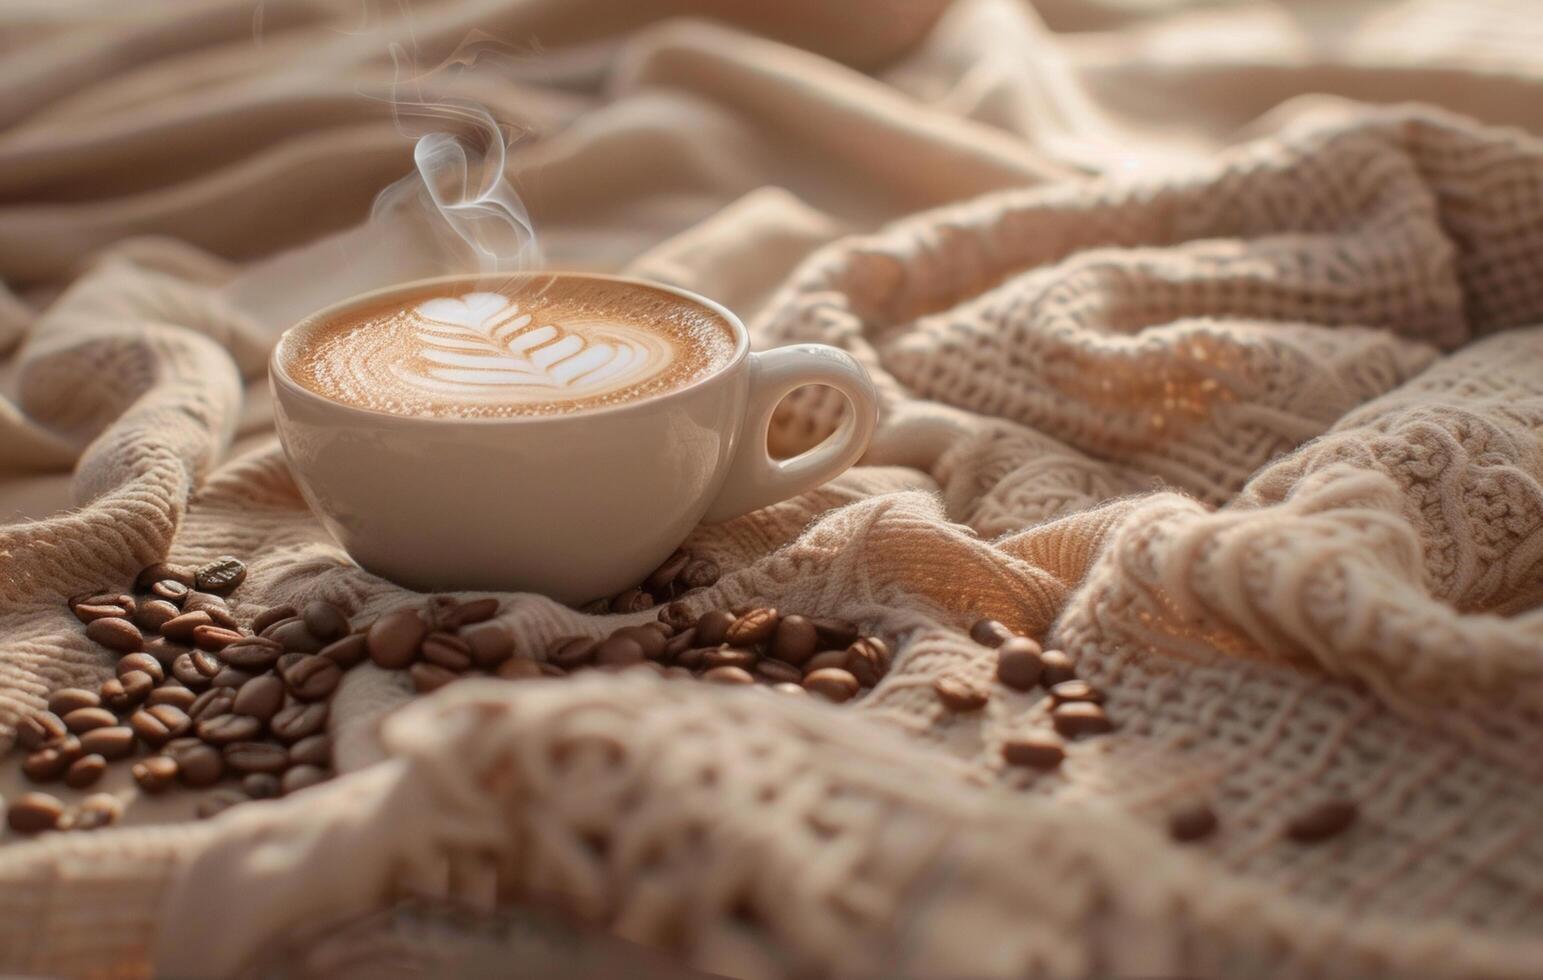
1235, 397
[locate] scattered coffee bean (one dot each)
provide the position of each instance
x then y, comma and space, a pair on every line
252, 653
315, 750
446, 650
164, 651
699, 573
1018, 663
33, 813
230, 677
214, 637
959, 695
163, 572
728, 675
206, 663
261, 785
181, 629
1321, 822
712, 627
313, 678
85, 771
271, 615
1033, 751
170, 591
490, 644
295, 636
325, 621
220, 576
679, 643
155, 774
661, 581
632, 601
776, 671
393, 640
990, 633
89, 613
296, 721
731, 657
67, 699
677, 617
261, 697
1058, 668
790, 688
113, 742
1191, 823
475, 611
95, 811
755, 626
1073, 718
154, 614
40, 728
187, 673
284, 663
50, 762
158, 725
173, 696
571, 652
116, 634
650, 637
212, 704
795, 640
247, 757
826, 660
868, 659
302, 777
835, 634
427, 677
123, 693
1077, 690
198, 763
518, 669
268, 630
692, 659
141, 662
87, 719
217, 803
348, 652
618, 651
224, 729
832, 683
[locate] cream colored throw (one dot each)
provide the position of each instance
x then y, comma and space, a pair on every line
1211, 346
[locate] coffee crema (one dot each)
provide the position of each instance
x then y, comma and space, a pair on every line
544, 345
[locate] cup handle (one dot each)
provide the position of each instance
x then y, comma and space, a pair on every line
755, 479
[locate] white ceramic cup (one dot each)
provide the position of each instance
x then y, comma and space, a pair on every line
575, 506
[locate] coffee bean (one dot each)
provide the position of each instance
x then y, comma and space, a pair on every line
475, 611
631, 601
181, 629
518, 669
663, 577
427, 677
123, 693
213, 703
832, 683
394, 638
261, 785
217, 803
1191, 822
230, 678
618, 651
88, 613
699, 574
1321, 822
1033, 751
40, 728
728, 675
713, 626
85, 771
33, 813
677, 617
325, 621
155, 774
1077, 690
490, 644
1058, 667
288, 660
678, 644
824, 661
154, 614
260, 698
256, 757
756, 626
50, 762
795, 640
296, 721
116, 634
67, 699
221, 575
990, 633
446, 650
161, 572
271, 615
86, 719
164, 651
140, 662
214, 637
268, 628
113, 743
596, 607
170, 591
252, 654
198, 763
184, 670
778, 671
160, 724
573, 651
95, 811
835, 634
207, 664
315, 750
868, 659
295, 636
693, 658
958, 694
650, 636
1074, 718
731, 657
224, 729
176, 697
1018, 664
313, 678
348, 652
113, 604
302, 777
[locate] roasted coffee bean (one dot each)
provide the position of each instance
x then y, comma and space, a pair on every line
295, 636
348, 652
173, 695
699, 573
288, 660
728, 675
268, 629
271, 615
441, 612
832, 683
40, 728
213, 703
206, 663
160, 724
142, 662
790, 688
617, 650
1077, 690
678, 644
50, 762
252, 654
490, 644
1018, 664
198, 763
230, 677
1319, 823
1057, 668
825, 661
260, 698
795, 640
596, 607
713, 626
302, 777
224, 729
778, 671
631, 601
217, 803
221, 575
113, 743
33, 813
427, 677
394, 638
256, 757
518, 669
163, 572
155, 774
123, 693
835, 634
316, 750
868, 660
116, 634
85, 771
446, 650
154, 614
296, 721
475, 611
731, 657
89, 613
325, 621
755, 626
170, 591
103, 605
990, 633
165, 652
95, 811
651, 637
313, 678
677, 617
216, 608
1074, 718
573, 651
181, 629
261, 785
214, 637
86, 719
67, 699
663, 577
1192, 822
958, 694
186, 673
693, 658
1034, 751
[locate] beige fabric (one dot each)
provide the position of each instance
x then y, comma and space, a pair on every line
1239, 399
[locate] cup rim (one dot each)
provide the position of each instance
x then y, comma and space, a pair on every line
279, 376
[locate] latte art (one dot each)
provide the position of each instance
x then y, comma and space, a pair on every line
541, 346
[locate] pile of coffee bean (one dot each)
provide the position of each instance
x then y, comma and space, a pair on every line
682, 572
